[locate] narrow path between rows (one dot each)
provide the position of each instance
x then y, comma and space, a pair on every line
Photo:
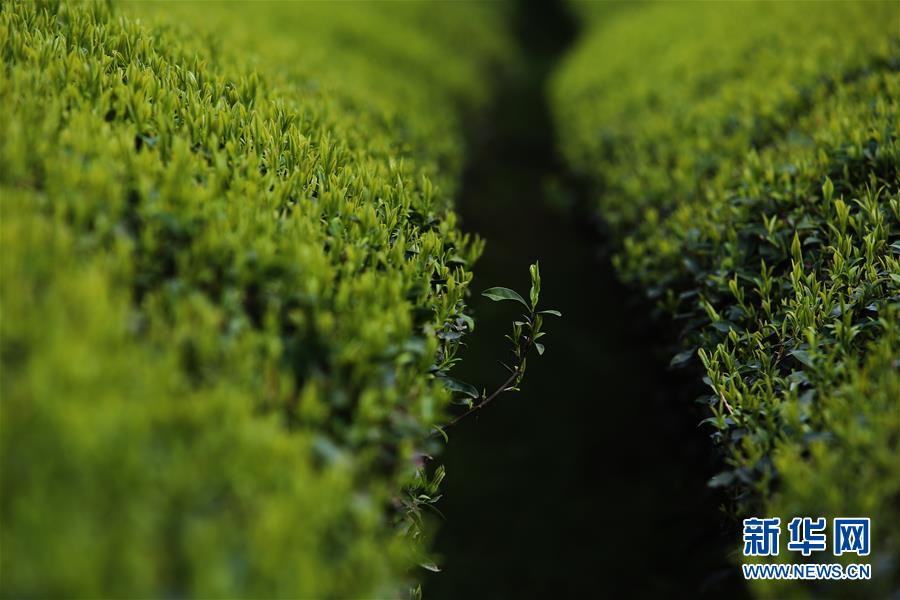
592, 481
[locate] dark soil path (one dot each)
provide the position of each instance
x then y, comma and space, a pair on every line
592, 481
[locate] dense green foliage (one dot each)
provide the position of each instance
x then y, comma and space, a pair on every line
231, 283
746, 160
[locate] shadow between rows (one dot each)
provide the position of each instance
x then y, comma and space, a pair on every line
592, 480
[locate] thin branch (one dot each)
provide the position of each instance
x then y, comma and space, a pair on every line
523, 338
481, 404
516, 373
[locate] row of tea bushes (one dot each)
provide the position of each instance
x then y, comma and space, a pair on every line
232, 281
745, 158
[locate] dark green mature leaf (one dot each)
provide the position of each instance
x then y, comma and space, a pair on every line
455, 385
803, 357
721, 479
430, 566
498, 294
681, 358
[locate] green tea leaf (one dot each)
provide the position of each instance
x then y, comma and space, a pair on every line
803, 357
455, 385
498, 294
681, 358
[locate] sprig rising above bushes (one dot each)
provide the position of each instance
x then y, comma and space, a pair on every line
524, 337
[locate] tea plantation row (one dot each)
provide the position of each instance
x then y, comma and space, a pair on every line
231, 282
746, 160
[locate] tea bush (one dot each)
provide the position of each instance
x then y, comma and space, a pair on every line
745, 158
231, 284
